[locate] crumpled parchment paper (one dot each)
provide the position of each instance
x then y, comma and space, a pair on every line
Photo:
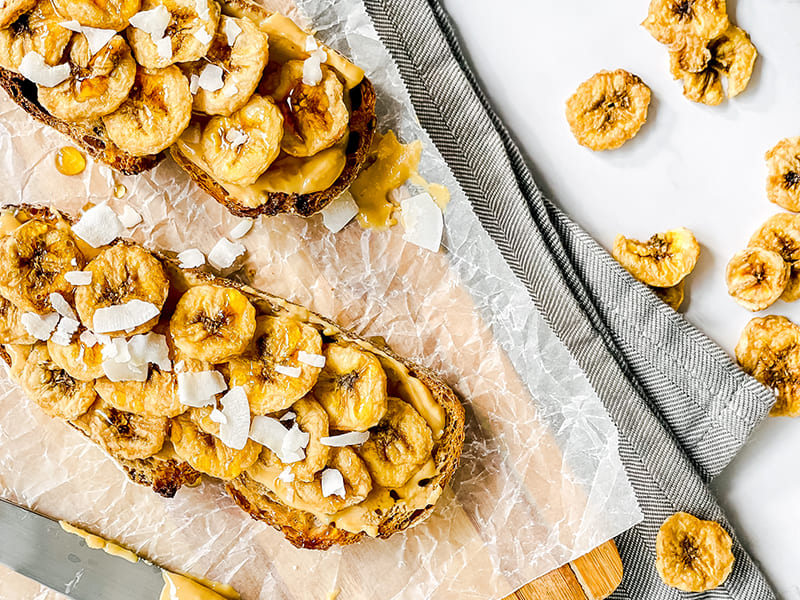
540, 481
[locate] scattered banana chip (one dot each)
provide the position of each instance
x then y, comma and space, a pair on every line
12, 331
781, 234
783, 179
608, 109
756, 278
663, 260
80, 361
769, 350
670, 21
671, 296
122, 434
155, 397
37, 31
11, 10
693, 555
105, 14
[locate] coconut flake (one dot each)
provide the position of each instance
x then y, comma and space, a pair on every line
231, 30
230, 91
98, 226
65, 329
332, 483
96, 38
311, 43
194, 83
288, 371
34, 68
286, 475
351, 438
236, 138
202, 36
122, 317
218, 416
293, 445
312, 67
40, 326
241, 229
61, 306
164, 47
153, 21
288, 416
87, 338
287, 444
129, 217
201, 7
198, 388
224, 253
78, 277
423, 222
150, 347
211, 78
124, 371
235, 431
313, 360
191, 258
339, 212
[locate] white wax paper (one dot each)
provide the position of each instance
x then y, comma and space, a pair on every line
540, 481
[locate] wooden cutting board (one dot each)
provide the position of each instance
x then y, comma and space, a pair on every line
593, 576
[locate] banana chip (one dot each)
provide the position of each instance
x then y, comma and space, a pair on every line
608, 109
98, 84
781, 234
123, 434
37, 31
33, 260
82, 362
157, 396
671, 296
12, 331
670, 21
693, 555
11, 10
756, 278
103, 14
663, 260
783, 179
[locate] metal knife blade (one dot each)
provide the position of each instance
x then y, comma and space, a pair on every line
38, 548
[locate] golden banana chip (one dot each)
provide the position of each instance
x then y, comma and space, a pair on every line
671, 296
781, 234
792, 290
123, 434
84, 363
693, 555
756, 278
12, 330
608, 109
783, 179
663, 260
103, 14
11, 10
670, 21
769, 350
37, 31
157, 396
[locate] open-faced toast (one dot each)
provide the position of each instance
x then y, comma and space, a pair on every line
259, 114
325, 435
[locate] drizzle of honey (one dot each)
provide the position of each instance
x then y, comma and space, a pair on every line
70, 161
120, 190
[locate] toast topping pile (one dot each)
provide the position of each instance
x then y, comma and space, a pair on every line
160, 365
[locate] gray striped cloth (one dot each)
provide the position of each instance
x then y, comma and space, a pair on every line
682, 408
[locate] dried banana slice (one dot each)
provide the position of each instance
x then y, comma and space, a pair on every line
37, 31
351, 388
671, 296
608, 109
663, 260
33, 260
11, 10
189, 32
277, 343
82, 362
670, 21
158, 109
98, 84
50, 386
121, 273
213, 323
242, 64
792, 290
315, 116
783, 179
155, 397
122, 434
103, 14
207, 454
769, 350
239, 148
693, 555
781, 234
12, 331
398, 445
756, 278
690, 55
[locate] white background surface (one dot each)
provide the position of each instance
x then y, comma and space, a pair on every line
691, 165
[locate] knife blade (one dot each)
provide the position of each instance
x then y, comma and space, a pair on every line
37, 547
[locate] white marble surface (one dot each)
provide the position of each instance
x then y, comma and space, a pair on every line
691, 165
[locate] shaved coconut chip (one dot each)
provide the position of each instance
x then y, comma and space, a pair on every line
98, 226
224, 253
293, 445
314, 360
241, 229
40, 326
87, 338
64, 331
122, 317
236, 138
74, 262
218, 416
78, 277
351, 438
339, 212
129, 217
116, 349
149, 348
288, 416
102, 338
332, 483
201, 7
61, 306
236, 408
287, 444
311, 44
191, 258
231, 30
154, 21
194, 83
202, 36
199, 388
211, 78
423, 221
288, 371
286, 475
124, 371
231, 90
312, 67
34, 68
96, 38
164, 47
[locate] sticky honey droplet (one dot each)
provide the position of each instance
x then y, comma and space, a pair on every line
70, 161
120, 190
